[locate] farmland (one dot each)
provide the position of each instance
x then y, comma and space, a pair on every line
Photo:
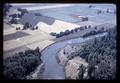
27, 26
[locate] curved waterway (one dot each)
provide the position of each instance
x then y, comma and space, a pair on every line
52, 69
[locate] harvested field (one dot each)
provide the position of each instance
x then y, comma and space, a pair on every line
57, 27
11, 44
15, 36
12, 52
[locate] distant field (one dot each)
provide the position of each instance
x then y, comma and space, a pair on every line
67, 13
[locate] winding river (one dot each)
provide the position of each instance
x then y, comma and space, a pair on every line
52, 69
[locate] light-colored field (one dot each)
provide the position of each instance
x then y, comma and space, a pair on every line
41, 44
57, 27
37, 38
11, 44
8, 29
41, 37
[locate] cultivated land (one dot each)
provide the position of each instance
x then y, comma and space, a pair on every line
41, 37
31, 41
19, 40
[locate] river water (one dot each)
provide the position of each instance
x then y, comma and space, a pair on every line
52, 69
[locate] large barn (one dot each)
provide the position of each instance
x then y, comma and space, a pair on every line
33, 19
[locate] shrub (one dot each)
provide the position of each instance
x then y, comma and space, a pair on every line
95, 27
76, 29
36, 27
85, 27
53, 34
13, 21
62, 34
89, 26
90, 6
72, 31
67, 32
81, 28
57, 36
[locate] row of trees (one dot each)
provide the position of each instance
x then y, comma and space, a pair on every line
27, 25
100, 11
94, 32
107, 11
67, 32
100, 53
21, 64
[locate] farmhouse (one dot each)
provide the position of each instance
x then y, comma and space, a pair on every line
33, 19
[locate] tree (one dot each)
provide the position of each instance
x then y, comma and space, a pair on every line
37, 50
90, 6
19, 9
26, 25
67, 32
13, 16
62, 34
89, 26
102, 28
64, 52
82, 71
23, 11
95, 27
72, 31
17, 28
6, 8
75, 29
13, 21
85, 27
57, 36
81, 28
107, 11
99, 11
36, 27
53, 34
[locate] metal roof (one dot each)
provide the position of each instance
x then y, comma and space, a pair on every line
32, 19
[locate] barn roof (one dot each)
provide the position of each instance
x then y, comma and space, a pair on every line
32, 19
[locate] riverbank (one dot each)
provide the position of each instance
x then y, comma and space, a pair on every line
52, 68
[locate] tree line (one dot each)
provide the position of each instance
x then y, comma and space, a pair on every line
21, 64
100, 53
67, 32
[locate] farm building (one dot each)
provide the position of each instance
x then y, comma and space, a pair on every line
33, 19
83, 18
